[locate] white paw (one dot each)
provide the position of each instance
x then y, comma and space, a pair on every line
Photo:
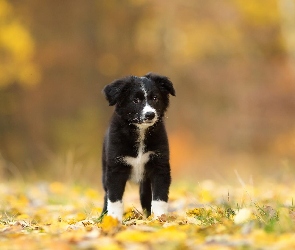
159, 208
115, 209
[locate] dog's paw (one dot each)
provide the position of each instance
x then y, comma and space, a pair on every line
159, 207
115, 209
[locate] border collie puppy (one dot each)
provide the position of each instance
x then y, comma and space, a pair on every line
136, 146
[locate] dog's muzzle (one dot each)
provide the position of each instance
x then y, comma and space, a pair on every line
149, 116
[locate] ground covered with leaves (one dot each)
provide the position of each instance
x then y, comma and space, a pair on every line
204, 215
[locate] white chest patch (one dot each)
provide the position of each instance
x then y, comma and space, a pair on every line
138, 163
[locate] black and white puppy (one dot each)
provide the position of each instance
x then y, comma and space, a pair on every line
136, 145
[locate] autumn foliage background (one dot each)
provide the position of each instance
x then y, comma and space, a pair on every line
232, 64
231, 126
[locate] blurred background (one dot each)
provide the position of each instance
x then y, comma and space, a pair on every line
232, 63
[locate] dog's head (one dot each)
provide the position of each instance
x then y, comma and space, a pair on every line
140, 100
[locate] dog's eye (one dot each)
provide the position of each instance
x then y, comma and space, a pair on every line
136, 100
155, 98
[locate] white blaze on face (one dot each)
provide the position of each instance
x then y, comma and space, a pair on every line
147, 108
138, 163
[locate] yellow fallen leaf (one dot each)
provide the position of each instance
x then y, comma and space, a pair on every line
260, 237
111, 246
217, 247
57, 227
205, 196
171, 233
80, 216
22, 217
195, 212
109, 224
74, 218
133, 236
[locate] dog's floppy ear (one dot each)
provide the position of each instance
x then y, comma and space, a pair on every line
163, 82
113, 90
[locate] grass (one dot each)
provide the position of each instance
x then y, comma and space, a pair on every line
204, 216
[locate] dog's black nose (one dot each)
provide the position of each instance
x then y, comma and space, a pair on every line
149, 115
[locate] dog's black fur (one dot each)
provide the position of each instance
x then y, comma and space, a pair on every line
122, 138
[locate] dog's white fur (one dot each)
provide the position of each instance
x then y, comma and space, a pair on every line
159, 207
115, 209
142, 158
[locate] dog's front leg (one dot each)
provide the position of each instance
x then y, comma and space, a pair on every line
145, 192
160, 188
116, 182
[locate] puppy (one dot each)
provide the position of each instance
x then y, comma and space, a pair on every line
136, 146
